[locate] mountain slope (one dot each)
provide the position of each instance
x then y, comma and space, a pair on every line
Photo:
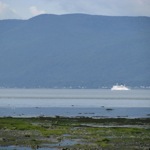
75, 50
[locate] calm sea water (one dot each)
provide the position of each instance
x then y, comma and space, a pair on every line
71, 102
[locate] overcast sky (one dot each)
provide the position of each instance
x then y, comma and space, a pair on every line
24, 9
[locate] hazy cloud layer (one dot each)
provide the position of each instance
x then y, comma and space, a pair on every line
6, 12
30, 8
101, 7
35, 11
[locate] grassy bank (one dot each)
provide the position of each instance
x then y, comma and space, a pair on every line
75, 133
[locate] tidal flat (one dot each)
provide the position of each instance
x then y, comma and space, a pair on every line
66, 133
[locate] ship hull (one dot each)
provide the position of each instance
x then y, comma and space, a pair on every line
120, 88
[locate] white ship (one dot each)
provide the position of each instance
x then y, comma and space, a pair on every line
120, 87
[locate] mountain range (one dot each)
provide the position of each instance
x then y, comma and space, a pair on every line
75, 51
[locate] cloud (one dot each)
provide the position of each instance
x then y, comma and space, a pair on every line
129, 7
35, 11
100, 7
3, 7
7, 13
30, 8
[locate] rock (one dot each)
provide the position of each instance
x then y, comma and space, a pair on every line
3, 139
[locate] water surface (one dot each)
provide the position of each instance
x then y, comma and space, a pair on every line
69, 102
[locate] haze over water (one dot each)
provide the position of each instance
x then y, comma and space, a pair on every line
74, 102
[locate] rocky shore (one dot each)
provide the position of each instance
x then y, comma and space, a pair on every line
74, 133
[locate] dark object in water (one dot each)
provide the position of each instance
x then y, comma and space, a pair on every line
109, 109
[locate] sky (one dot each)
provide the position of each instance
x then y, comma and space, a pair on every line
25, 9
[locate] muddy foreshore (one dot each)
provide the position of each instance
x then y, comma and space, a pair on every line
74, 133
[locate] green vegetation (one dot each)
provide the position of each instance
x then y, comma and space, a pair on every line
75, 133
